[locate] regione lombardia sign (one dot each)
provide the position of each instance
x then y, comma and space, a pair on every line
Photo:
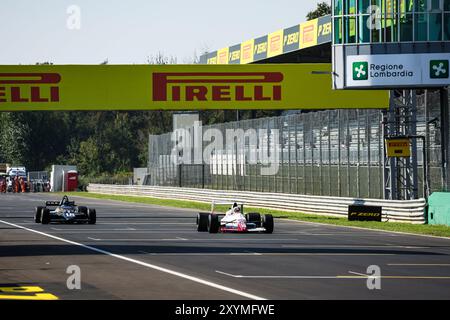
397, 70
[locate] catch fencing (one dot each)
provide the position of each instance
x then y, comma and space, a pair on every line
334, 153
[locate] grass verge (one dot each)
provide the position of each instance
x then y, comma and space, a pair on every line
434, 230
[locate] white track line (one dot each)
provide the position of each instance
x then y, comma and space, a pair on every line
264, 254
192, 240
419, 264
351, 246
392, 233
355, 275
136, 240
84, 230
148, 265
147, 223
359, 274
276, 277
99, 231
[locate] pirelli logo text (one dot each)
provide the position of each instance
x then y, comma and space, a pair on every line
364, 213
218, 86
29, 87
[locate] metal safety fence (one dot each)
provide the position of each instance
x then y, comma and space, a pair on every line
337, 153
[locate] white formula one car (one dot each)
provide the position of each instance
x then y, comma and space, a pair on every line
234, 220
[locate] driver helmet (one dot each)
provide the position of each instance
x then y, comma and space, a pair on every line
237, 209
65, 200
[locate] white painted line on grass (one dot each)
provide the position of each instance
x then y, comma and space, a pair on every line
144, 264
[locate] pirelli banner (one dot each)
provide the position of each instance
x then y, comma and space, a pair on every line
177, 87
365, 213
302, 36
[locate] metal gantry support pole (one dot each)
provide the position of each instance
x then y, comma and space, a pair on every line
445, 139
339, 154
401, 174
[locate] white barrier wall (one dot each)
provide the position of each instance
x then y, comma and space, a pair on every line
395, 211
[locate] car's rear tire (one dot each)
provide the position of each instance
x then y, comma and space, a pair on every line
202, 222
92, 216
45, 217
38, 214
267, 223
213, 223
253, 217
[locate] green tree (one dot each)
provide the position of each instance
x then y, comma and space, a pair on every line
323, 9
14, 138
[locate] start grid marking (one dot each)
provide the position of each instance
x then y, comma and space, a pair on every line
25, 293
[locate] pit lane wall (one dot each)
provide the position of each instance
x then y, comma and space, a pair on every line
411, 211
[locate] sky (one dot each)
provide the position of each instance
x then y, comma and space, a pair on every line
130, 31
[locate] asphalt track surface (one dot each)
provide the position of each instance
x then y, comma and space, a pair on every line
138, 251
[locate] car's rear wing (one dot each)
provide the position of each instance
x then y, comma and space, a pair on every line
52, 203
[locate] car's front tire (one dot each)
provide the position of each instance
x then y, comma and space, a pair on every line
45, 218
202, 222
92, 216
38, 214
213, 223
267, 223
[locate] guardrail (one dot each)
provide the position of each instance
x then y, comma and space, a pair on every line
411, 211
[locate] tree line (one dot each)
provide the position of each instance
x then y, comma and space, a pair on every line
106, 142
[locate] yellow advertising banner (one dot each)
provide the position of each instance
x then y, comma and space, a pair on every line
177, 87
275, 44
247, 51
212, 59
308, 34
222, 56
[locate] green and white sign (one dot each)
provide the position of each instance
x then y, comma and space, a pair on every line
360, 71
397, 70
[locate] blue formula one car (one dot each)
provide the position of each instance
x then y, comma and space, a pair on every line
64, 211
